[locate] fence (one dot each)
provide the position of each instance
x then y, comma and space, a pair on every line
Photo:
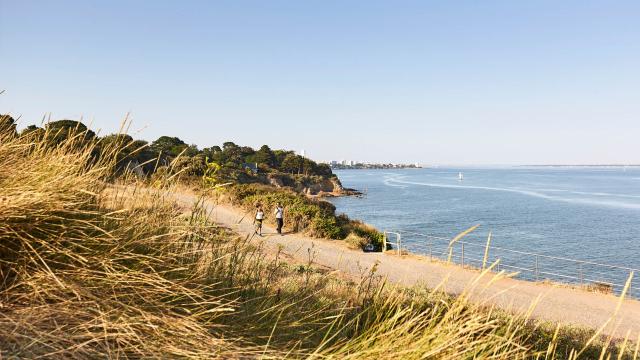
528, 265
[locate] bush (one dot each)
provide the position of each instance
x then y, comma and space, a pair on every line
356, 242
315, 217
326, 227
368, 232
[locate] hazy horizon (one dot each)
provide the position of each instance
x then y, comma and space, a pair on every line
465, 83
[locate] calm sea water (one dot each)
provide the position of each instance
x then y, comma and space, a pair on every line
590, 214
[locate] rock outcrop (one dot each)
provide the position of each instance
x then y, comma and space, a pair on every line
314, 186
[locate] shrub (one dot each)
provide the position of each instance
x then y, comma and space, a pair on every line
356, 242
326, 227
315, 217
368, 232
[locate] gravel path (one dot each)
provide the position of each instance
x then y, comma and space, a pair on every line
552, 302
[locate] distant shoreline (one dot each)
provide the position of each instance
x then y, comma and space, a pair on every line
583, 166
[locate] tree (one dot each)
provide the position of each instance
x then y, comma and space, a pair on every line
144, 155
169, 146
33, 131
192, 166
191, 150
8, 125
309, 167
324, 170
232, 155
228, 145
214, 153
210, 152
280, 155
118, 145
292, 164
58, 131
265, 156
120, 140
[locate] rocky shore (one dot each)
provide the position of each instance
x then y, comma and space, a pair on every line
312, 186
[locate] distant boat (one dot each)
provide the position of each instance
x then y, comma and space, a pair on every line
460, 177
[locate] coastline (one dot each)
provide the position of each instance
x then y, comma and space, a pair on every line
551, 302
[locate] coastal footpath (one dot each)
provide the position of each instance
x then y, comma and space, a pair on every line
542, 301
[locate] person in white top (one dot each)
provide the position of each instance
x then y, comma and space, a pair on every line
279, 217
258, 219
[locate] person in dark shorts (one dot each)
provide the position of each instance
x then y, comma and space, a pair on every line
279, 217
258, 219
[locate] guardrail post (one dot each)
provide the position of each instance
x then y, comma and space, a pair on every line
537, 267
462, 255
384, 241
399, 244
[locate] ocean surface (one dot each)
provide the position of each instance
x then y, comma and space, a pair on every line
540, 218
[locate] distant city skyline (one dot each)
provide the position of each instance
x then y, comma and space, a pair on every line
449, 83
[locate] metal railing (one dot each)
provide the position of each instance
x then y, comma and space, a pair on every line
527, 265
397, 243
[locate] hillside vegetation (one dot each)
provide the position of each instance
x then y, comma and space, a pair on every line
316, 218
281, 176
93, 270
231, 162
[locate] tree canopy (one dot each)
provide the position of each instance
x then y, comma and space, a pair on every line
8, 124
230, 157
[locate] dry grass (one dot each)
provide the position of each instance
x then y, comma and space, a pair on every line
91, 273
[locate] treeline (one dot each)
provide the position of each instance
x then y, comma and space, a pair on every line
231, 162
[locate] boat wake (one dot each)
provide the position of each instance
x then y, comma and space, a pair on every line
398, 181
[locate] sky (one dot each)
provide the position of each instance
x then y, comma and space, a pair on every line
433, 82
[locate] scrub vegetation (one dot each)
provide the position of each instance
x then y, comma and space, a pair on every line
92, 266
315, 217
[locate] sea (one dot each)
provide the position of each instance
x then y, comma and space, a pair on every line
578, 225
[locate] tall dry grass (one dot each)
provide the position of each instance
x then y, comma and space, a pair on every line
92, 270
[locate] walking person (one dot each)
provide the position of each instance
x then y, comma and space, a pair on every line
258, 219
279, 217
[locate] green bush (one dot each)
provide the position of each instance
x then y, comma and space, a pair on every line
374, 236
356, 242
315, 217
327, 227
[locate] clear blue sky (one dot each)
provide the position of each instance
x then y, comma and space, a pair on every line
448, 82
